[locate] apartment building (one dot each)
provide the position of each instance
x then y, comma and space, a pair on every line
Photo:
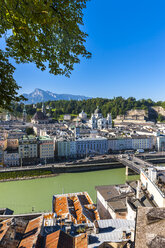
160, 142
143, 142
66, 148
28, 151
86, 146
11, 158
12, 143
116, 144
134, 142
46, 148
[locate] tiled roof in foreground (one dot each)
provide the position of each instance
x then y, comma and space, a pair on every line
4, 226
78, 207
20, 231
31, 233
60, 239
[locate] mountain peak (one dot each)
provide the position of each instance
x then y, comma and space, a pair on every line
39, 95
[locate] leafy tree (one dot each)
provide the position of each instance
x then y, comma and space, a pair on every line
29, 131
45, 32
115, 106
160, 118
8, 86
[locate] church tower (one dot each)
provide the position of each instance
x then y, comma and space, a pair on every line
43, 109
8, 116
109, 121
24, 114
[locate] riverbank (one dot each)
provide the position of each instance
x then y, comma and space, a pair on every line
27, 178
24, 175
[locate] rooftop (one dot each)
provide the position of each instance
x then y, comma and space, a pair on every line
39, 116
111, 230
60, 239
45, 138
78, 207
20, 231
150, 228
116, 195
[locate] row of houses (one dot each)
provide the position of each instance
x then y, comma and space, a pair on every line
27, 150
81, 147
43, 149
135, 142
102, 145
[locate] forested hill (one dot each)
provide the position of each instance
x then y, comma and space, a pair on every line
115, 106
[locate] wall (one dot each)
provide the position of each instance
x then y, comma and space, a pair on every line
152, 189
131, 214
104, 209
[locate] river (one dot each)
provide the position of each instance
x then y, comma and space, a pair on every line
36, 194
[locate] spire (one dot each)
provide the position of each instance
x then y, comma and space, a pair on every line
43, 108
24, 109
8, 116
24, 114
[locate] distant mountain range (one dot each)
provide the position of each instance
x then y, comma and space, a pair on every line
39, 95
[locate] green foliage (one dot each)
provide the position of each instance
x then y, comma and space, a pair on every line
47, 33
115, 106
160, 118
18, 174
29, 131
8, 86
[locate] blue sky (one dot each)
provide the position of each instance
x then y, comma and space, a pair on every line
127, 41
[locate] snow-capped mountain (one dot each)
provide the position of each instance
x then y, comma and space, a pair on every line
39, 95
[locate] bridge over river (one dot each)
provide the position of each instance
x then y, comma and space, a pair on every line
133, 163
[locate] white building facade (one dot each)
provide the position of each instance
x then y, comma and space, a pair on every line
98, 122
160, 140
11, 158
138, 142
83, 115
86, 146
147, 180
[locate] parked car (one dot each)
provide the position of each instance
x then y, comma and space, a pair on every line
140, 150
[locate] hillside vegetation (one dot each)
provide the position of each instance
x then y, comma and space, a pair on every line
115, 106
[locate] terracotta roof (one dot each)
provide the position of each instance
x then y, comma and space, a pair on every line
59, 239
31, 233
77, 206
61, 206
4, 226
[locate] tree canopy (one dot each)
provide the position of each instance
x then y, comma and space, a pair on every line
45, 32
115, 106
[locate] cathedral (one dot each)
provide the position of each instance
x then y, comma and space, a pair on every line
40, 117
97, 121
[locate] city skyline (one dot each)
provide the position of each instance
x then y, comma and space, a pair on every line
127, 45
